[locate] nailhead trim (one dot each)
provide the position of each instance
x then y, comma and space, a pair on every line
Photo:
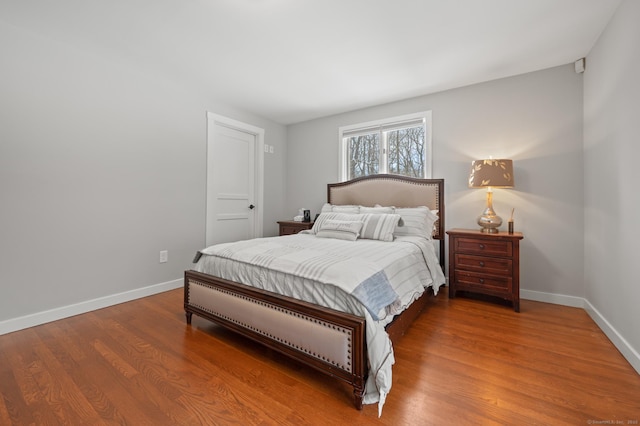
284, 311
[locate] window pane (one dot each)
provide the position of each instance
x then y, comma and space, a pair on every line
398, 145
364, 155
406, 151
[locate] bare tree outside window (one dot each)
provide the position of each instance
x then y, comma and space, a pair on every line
364, 155
406, 152
396, 145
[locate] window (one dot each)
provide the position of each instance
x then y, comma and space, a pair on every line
398, 145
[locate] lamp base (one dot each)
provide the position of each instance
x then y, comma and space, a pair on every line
489, 223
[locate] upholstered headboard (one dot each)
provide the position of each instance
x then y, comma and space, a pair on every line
393, 190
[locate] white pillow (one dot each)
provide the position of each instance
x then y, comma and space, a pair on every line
340, 229
328, 208
418, 221
323, 217
376, 209
378, 226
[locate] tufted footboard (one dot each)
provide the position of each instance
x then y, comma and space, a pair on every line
330, 341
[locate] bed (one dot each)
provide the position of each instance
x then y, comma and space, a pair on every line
346, 342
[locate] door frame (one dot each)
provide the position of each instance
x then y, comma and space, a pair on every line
258, 133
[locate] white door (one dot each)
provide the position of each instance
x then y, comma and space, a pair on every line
234, 180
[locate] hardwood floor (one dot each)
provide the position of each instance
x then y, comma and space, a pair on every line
463, 361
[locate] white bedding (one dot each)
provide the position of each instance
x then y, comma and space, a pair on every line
330, 273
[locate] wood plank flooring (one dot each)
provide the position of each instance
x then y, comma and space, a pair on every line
463, 361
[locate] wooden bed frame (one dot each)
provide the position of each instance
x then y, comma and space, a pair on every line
330, 341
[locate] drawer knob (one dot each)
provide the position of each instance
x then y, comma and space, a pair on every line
482, 264
481, 246
481, 280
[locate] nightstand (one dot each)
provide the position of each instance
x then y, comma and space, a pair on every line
485, 264
288, 227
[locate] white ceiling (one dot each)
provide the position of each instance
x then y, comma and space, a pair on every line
294, 60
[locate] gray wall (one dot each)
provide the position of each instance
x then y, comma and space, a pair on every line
102, 165
612, 196
535, 119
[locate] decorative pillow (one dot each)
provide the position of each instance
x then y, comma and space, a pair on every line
376, 209
328, 208
379, 226
418, 221
382, 210
323, 217
340, 229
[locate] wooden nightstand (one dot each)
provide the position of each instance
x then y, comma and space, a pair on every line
288, 227
485, 263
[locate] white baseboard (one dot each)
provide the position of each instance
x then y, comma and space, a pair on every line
20, 323
616, 338
556, 299
619, 342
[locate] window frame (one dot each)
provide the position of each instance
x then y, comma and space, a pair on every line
381, 126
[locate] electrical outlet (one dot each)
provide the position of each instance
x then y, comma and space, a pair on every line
164, 256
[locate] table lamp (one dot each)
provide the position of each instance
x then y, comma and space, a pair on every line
491, 174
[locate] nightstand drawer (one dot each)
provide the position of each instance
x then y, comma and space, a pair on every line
288, 230
467, 279
484, 246
288, 227
486, 265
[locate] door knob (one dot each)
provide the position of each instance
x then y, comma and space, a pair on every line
251, 206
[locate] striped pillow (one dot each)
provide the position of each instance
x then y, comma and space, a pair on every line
376, 209
418, 221
378, 226
340, 229
323, 217
328, 208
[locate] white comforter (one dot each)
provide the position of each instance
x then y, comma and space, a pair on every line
334, 273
